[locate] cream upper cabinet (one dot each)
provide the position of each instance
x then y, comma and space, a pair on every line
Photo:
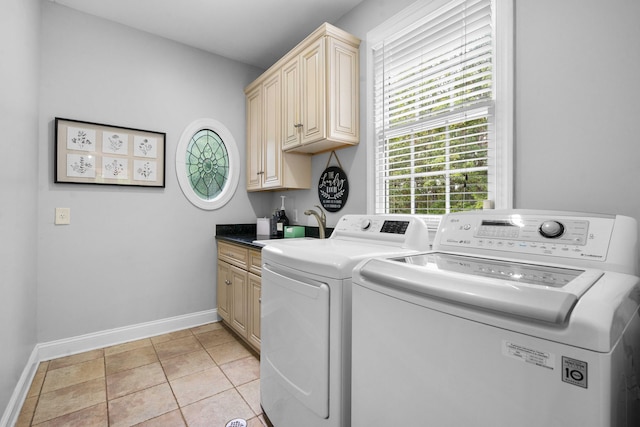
321, 93
268, 167
306, 103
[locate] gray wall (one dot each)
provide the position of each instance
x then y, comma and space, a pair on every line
19, 48
130, 255
577, 105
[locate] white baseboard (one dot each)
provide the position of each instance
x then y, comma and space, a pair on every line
12, 411
79, 344
68, 346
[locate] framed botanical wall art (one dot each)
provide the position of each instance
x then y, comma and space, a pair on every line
93, 153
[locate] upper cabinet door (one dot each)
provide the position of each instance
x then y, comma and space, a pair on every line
313, 78
272, 130
344, 92
291, 103
255, 169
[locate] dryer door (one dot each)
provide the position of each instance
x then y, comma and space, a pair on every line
295, 342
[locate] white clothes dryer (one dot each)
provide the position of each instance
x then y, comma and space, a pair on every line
305, 363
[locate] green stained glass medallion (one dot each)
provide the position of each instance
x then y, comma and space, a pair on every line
207, 163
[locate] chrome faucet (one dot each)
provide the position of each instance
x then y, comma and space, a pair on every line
322, 219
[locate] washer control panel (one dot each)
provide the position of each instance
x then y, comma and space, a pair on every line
553, 234
569, 231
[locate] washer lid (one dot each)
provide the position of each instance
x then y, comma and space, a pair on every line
540, 292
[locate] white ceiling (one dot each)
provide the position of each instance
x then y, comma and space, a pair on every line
255, 32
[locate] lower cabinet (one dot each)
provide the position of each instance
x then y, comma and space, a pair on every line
238, 292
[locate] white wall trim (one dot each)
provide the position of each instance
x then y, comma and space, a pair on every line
11, 412
68, 346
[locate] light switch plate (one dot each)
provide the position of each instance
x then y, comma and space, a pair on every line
63, 216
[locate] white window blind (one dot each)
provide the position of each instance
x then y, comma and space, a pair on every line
434, 103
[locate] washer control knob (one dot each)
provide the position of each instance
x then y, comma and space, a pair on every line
365, 224
551, 229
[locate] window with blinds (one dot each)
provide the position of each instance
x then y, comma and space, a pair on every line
434, 102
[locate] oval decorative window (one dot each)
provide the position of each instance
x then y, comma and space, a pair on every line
207, 164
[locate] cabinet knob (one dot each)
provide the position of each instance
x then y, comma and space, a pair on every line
228, 282
259, 300
297, 125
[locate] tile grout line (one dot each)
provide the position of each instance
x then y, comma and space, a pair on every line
106, 389
175, 398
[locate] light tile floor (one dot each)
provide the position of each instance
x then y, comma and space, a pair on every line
201, 376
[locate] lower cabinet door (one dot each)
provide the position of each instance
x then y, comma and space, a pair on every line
239, 304
223, 292
255, 293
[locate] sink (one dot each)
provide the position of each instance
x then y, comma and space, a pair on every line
269, 241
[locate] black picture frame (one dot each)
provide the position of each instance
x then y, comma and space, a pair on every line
95, 153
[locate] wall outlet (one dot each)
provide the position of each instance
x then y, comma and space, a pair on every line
63, 216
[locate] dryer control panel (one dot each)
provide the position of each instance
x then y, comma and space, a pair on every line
407, 231
555, 234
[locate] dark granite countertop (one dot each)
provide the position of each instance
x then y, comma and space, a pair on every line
245, 234
245, 240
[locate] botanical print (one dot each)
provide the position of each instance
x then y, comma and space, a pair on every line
115, 143
115, 168
144, 170
81, 166
81, 139
144, 146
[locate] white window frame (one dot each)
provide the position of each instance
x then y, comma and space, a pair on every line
501, 189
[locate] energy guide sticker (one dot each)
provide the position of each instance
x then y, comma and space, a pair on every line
528, 355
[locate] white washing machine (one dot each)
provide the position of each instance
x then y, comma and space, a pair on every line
306, 316
515, 318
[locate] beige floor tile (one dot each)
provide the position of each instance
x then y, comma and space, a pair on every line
127, 346
215, 337
217, 410
188, 363
250, 392
130, 359
76, 358
200, 385
256, 422
170, 419
94, 416
141, 406
134, 376
228, 352
207, 328
38, 379
26, 413
242, 371
171, 336
177, 347
74, 374
136, 379
70, 399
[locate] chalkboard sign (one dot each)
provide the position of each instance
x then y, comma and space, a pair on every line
333, 188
